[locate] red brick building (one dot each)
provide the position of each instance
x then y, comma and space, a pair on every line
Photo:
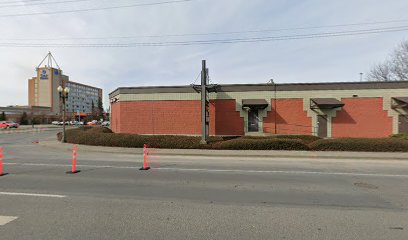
349, 109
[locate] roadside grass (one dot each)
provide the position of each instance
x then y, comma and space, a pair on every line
101, 136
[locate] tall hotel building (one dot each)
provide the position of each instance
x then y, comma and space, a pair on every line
42, 90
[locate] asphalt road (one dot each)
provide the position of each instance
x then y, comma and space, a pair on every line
196, 197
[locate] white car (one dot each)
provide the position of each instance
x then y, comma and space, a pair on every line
55, 123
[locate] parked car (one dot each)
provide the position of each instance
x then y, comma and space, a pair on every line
76, 123
55, 123
3, 125
92, 123
106, 124
12, 124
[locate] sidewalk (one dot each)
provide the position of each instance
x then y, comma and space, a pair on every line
235, 153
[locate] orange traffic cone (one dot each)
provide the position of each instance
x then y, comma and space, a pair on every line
145, 165
1, 163
74, 160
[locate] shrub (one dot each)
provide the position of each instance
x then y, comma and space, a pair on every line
361, 145
305, 138
400, 136
3, 116
79, 134
104, 137
97, 136
24, 119
262, 144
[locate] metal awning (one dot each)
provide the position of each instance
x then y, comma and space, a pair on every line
399, 102
255, 103
325, 103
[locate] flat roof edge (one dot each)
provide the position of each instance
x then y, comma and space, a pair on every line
261, 87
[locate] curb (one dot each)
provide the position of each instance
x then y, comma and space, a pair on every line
35, 130
235, 153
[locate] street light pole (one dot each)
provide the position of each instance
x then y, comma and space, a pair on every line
64, 138
63, 93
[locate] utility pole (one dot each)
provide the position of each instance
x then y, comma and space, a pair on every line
361, 77
204, 104
205, 89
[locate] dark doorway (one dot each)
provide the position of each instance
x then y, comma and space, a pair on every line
322, 126
403, 124
253, 120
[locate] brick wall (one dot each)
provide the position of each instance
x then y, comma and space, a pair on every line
115, 117
157, 117
224, 119
175, 117
290, 118
362, 117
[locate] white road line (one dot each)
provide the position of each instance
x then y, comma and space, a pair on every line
222, 170
32, 194
6, 219
285, 172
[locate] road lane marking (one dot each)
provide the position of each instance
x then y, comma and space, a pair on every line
6, 219
222, 170
32, 194
284, 172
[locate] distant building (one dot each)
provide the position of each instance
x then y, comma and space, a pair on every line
42, 91
34, 114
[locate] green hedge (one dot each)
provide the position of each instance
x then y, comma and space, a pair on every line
403, 136
100, 136
304, 138
262, 144
361, 145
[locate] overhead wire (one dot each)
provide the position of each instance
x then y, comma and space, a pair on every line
199, 74
96, 8
22, 1
41, 3
216, 41
216, 33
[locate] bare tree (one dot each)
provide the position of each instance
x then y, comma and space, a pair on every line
380, 72
395, 68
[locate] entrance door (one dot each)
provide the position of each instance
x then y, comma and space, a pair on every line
403, 124
253, 121
322, 126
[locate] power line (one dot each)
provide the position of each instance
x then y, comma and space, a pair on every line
215, 33
96, 9
215, 41
21, 1
41, 3
199, 74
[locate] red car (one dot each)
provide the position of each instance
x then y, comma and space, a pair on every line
9, 124
3, 125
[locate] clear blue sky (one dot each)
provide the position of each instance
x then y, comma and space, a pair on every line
302, 60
